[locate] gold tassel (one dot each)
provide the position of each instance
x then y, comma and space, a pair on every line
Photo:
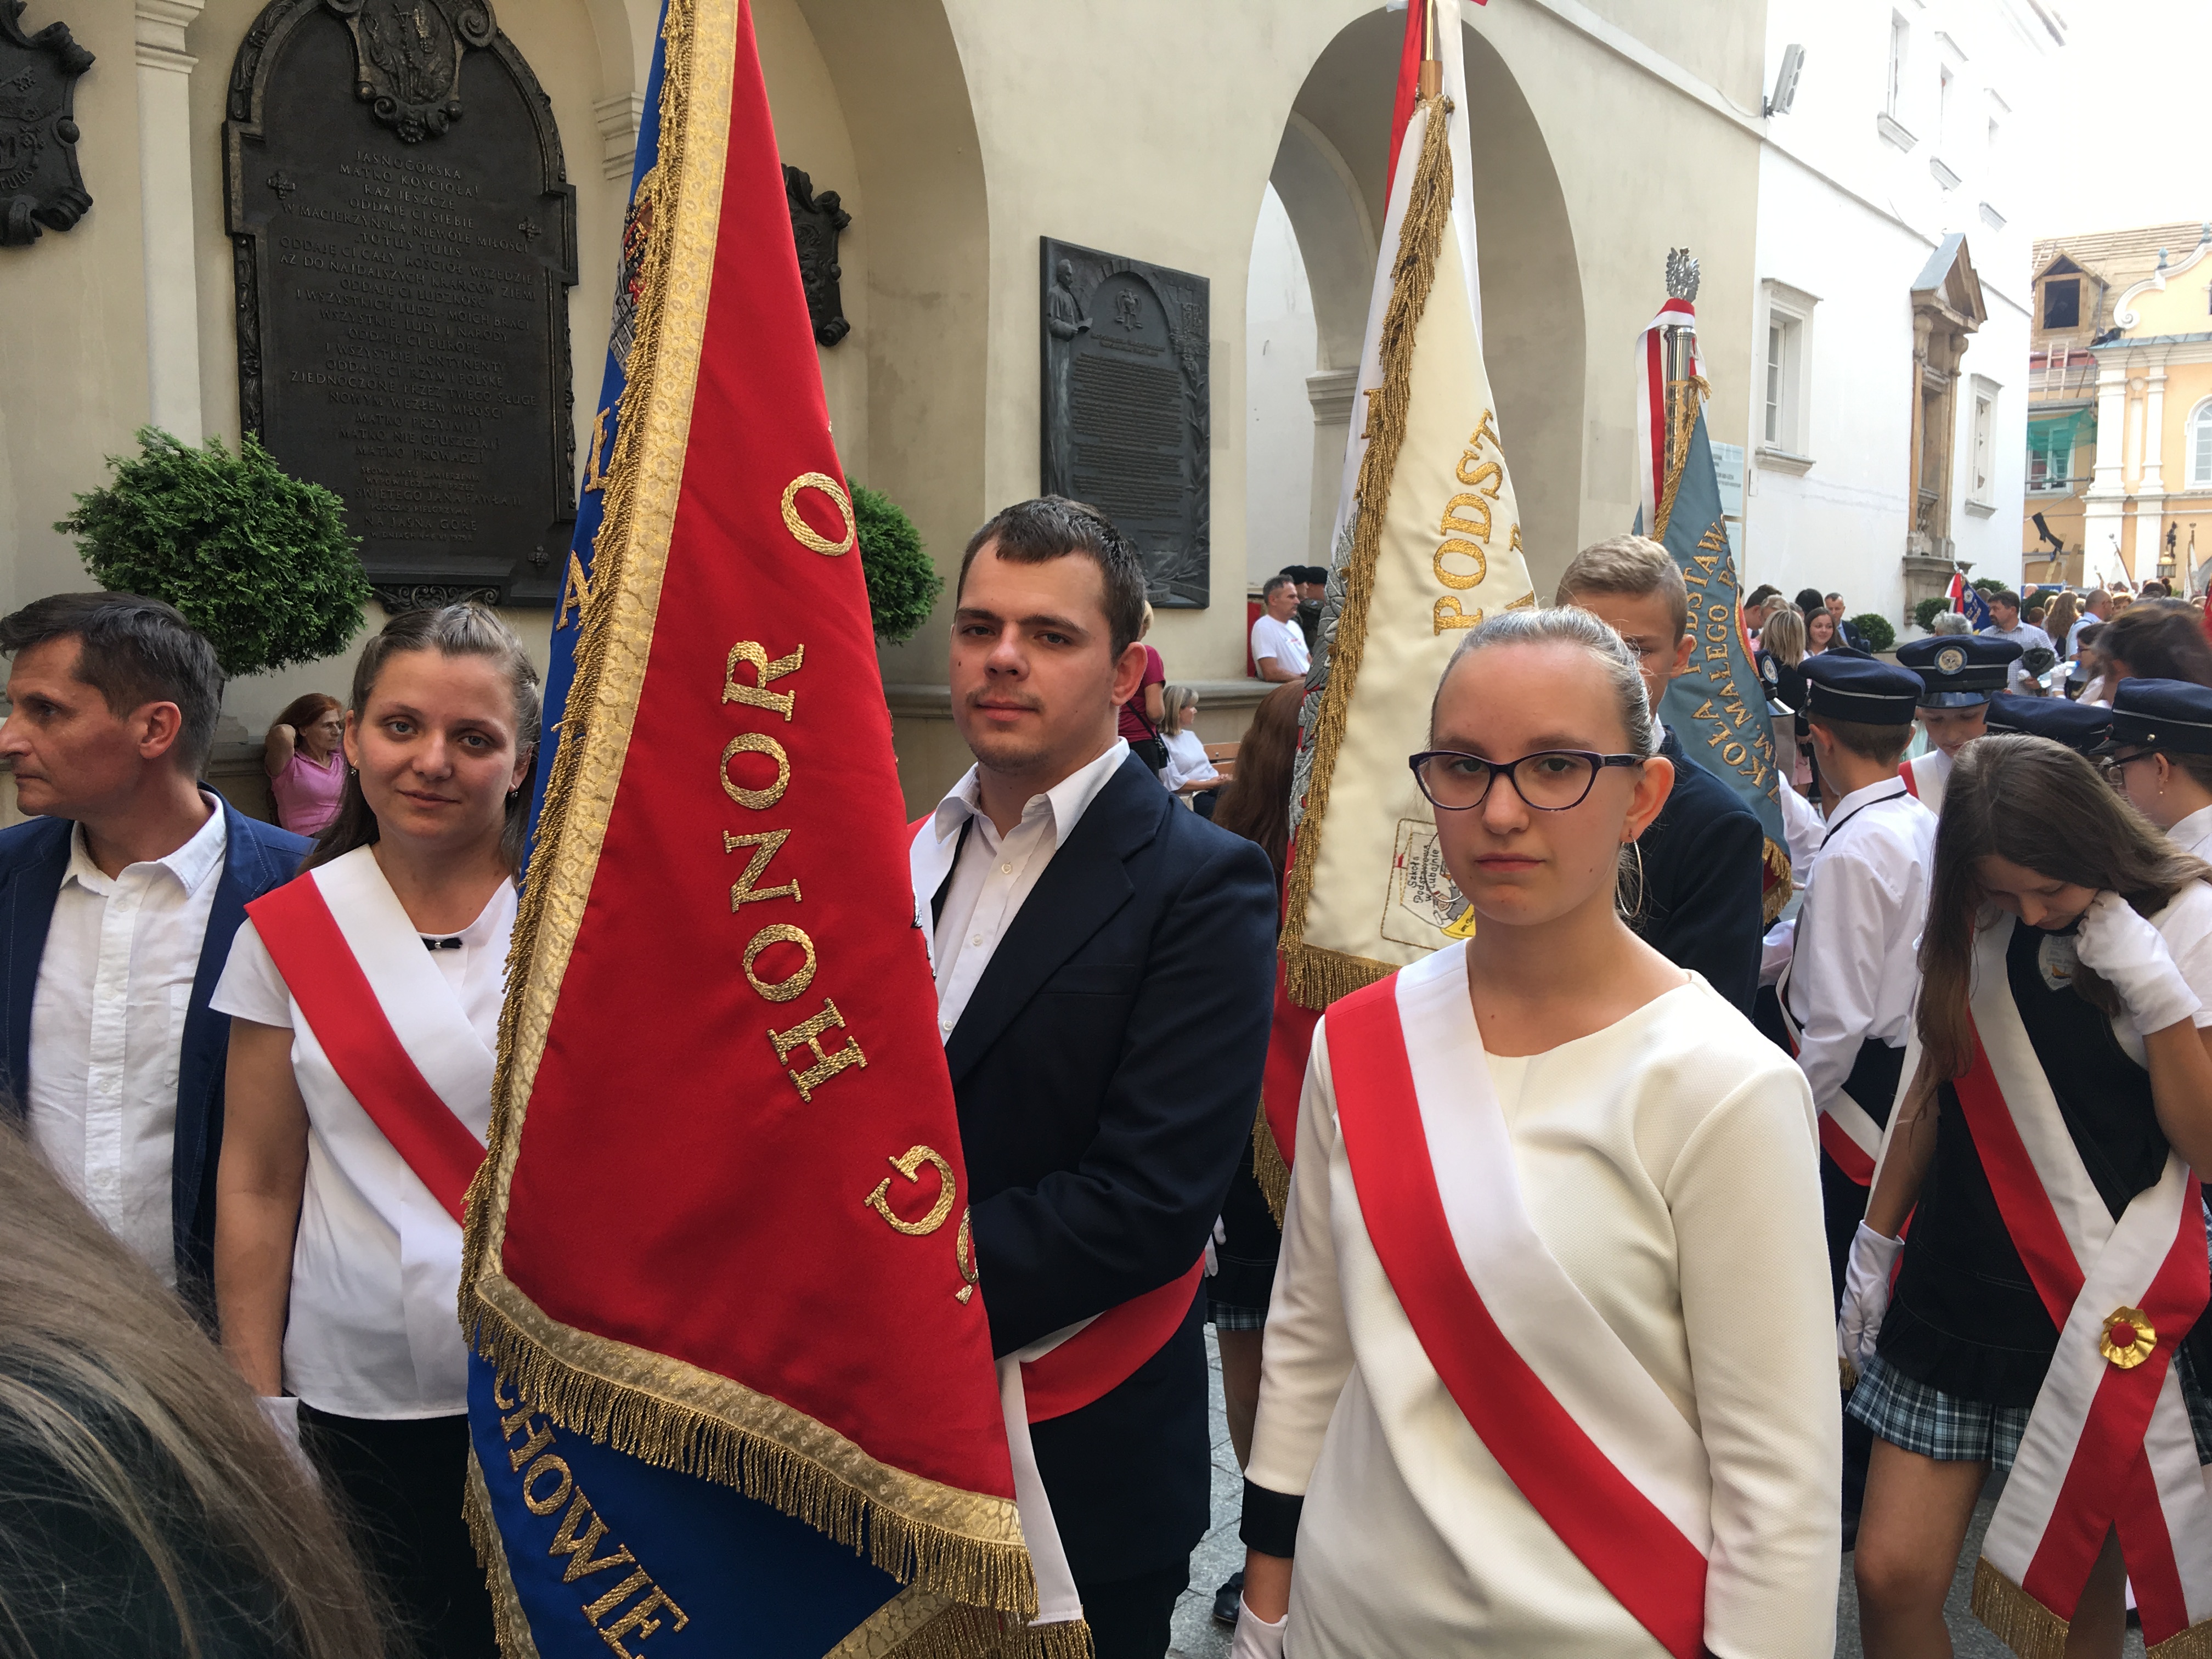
1069, 1639
508, 1621
1269, 1167
980, 1573
1316, 977
1309, 973
1683, 408
1777, 866
2017, 1619
2195, 1643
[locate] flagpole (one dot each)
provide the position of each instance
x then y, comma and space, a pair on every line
1678, 349
1432, 68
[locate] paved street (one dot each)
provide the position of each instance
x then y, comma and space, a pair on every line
1197, 1636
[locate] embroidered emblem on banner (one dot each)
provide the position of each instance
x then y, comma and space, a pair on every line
1422, 895
2055, 960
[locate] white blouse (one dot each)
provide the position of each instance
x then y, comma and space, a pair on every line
376, 1268
1668, 1162
1187, 761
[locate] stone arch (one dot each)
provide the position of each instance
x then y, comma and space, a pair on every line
896, 68
1329, 172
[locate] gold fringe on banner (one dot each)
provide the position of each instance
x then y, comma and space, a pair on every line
508, 1618
2015, 1617
1269, 1167
1777, 866
2195, 1643
1685, 398
961, 1544
1317, 977
916, 1624
1070, 1639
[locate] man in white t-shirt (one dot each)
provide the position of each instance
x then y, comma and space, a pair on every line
1279, 649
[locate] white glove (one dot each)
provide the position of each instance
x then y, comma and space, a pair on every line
1256, 1637
1866, 1294
1220, 1236
2128, 951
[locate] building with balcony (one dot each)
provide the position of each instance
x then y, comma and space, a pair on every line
2119, 437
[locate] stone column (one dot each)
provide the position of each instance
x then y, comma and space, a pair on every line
165, 189
619, 118
2154, 432
1331, 392
2103, 502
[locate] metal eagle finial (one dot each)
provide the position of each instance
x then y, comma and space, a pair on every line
1681, 274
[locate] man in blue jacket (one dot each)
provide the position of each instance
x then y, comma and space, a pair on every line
118, 902
1704, 858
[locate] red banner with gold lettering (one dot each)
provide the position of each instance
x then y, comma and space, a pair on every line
723, 1223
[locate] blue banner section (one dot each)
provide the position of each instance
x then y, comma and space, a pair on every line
599, 441
606, 1552
1974, 606
1716, 707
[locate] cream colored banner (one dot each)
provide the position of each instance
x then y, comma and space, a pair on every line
1449, 553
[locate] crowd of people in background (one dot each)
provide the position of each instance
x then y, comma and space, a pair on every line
232, 1388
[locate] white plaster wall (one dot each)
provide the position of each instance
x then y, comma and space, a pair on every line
1279, 352
1852, 217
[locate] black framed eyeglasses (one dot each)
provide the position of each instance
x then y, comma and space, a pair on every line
1551, 779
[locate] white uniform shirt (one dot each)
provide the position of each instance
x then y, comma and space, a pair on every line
1855, 962
994, 875
376, 1265
1281, 641
1634, 1148
107, 1029
1930, 776
2194, 833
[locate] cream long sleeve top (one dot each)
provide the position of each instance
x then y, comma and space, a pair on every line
1668, 1163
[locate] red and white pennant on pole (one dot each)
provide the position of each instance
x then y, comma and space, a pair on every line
2108, 1443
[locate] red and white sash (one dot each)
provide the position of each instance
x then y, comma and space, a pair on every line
1849, 1133
1925, 776
2107, 1445
1074, 1366
1555, 1396
353, 961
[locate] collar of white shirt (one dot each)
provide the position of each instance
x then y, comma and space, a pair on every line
1892, 785
1066, 800
190, 864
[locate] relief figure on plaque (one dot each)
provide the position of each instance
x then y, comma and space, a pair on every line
1063, 320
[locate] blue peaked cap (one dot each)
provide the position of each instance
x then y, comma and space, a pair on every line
1848, 686
2173, 716
2081, 727
1959, 670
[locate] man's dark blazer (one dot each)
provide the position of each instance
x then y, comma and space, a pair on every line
1705, 874
1107, 1069
33, 858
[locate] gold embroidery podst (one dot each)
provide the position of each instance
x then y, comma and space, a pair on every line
964, 1545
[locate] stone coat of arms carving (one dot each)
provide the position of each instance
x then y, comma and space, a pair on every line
39, 185
407, 58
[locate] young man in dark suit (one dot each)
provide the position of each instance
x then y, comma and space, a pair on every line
118, 902
1105, 967
1704, 858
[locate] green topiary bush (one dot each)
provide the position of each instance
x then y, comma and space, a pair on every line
1993, 584
256, 560
1873, 627
1925, 611
903, 585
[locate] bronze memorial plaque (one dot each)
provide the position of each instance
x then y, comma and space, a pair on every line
405, 238
1125, 422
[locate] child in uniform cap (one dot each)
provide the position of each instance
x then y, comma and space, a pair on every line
2160, 752
1958, 674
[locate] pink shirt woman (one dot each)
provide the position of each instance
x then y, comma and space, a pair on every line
305, 762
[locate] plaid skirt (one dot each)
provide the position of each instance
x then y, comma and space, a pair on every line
1950, 1429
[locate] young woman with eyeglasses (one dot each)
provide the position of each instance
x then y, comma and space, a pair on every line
1549, 1365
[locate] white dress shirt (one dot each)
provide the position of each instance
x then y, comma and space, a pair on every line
2026, 635
1283, 642
993, 875
107, 1029
2194, 833
376, 1265
1855, 966
1635, 1148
